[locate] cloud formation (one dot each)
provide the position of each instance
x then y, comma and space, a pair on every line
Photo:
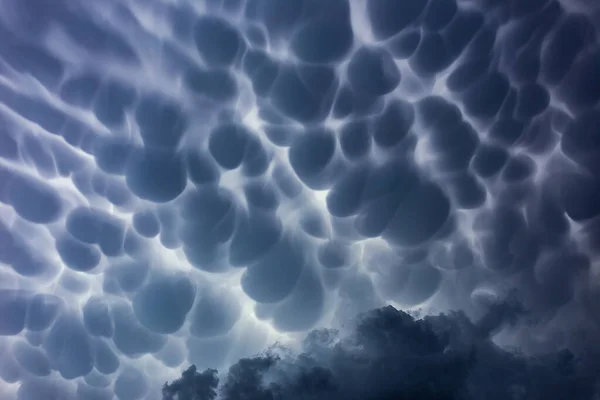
388, 354
188, 182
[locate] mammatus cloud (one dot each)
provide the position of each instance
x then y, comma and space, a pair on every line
188, 182
389, 354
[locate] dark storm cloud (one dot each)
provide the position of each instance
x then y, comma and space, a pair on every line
184, 182
389, 354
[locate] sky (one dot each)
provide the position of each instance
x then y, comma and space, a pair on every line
194, 182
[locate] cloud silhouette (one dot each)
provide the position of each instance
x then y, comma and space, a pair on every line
388, 354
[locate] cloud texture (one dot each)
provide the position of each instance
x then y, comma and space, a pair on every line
388, 354
187, 182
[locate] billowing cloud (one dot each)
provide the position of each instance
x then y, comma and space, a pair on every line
388, 354
188, 182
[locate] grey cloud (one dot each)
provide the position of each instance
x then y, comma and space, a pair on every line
188, 183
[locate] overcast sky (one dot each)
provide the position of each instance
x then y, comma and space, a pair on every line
190, 182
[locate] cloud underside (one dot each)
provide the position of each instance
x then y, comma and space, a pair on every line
187, 182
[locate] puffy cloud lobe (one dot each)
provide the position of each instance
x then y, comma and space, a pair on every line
262, 195
94, 226
372, 72
77, 255
20, 255
32, 58
304, 93
311, 154
105, 360
485, 98
214, 314
578, 141
32, 359
33, 200
74, 283
314, 224
316, 33
146, 223
69, 348
255, 234
256, 160
112, 101
80, 90
131, 384
355, 140
455, 148
390, 200
98, 38
439, 14
130, 336
394, 123
348, 103
302, 309
326, 35
210, 216
38, 389
335, 254
163, 305
433, 55
87, 392
161, 120
419, 216
172, 354
14, 311
488, 160
42, 311
273, 277
156, 175
577, 93
407, 277
41, 158
133, 244
216, 85
412, 284
467, 192
261, 70
578, 197
112, 154
201, 169
228, 145
229, 45
389, 17
97, 318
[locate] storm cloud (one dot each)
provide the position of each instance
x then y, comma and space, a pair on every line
388, 354
188, 182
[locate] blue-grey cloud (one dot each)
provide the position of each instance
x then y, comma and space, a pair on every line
188, 182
